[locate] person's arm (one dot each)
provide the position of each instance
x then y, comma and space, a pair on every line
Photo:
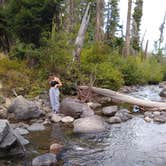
59, 81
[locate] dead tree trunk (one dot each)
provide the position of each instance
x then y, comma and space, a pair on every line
146, 50
119, 97
81, 35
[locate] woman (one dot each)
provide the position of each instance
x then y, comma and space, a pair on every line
55, 83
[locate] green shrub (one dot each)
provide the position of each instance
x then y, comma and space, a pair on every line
14, 75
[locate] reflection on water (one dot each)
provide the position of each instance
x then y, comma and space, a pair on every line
133, 143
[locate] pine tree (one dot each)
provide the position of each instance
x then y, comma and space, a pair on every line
112, 24
137, 15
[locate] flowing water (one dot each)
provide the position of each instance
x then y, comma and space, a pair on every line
132, 143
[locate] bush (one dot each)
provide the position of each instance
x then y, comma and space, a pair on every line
14, 75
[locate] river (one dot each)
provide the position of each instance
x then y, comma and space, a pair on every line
132, 143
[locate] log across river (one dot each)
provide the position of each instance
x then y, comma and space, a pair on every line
120, 97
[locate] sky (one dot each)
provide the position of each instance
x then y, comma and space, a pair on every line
153, 15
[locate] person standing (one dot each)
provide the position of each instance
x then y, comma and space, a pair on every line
54, 93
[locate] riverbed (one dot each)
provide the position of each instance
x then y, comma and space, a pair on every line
132, 143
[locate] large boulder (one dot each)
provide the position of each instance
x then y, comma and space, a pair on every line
90, 124
11, 143
47, 159
110, 110
24, 109
75, 108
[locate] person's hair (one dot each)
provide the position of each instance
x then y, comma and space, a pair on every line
53, 83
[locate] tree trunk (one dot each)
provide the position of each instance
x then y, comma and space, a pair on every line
99, 20
146, 50
81, 35
126, 51
119, 97
71, 15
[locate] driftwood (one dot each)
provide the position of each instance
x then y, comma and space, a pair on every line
119, 97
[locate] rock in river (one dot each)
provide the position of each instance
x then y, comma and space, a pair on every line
47, 159
75, 108
11, 143
90, 124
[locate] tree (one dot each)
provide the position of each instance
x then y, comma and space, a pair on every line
112, 24
4, 32
99, 20
126, 50
137, 15
29, 18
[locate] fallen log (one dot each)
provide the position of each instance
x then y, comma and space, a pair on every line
119, 97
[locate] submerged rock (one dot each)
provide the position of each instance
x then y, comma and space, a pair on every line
90, 124
24, 109
47, 159
36, 127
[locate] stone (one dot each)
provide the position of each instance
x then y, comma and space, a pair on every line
160, 119
56, 118
156, 113
94, 105
114, 119
47, 121
24, 109
21, 131
56, 148
92, 124
110, 110
123, 114
162, 84
36, 127
163, 92
11, 143
8, 102
47, 159
147, 119
75, 108
148, 114
67, 119
2, 100
3, 113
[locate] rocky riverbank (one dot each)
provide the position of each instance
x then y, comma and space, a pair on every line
25, 116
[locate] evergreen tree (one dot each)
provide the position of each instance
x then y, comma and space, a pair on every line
28, 19
137, 15
112, 25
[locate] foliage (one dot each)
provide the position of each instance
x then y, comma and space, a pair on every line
137, 15
14, 75
29, 18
